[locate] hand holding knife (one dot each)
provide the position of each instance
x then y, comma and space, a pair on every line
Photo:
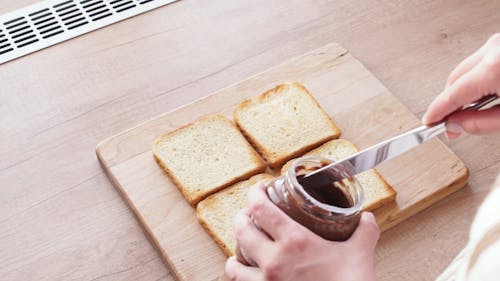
374, 155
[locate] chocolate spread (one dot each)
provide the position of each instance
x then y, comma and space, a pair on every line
321, 187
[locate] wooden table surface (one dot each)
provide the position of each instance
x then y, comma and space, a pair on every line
60, 216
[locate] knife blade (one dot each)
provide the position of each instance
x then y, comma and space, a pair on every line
385, 150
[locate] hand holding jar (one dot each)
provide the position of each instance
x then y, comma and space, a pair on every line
283, 249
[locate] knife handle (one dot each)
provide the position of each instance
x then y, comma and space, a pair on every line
482, 102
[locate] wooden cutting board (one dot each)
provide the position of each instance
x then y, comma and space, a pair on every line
364, 109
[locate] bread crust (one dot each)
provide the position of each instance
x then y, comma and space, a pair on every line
386, 200
218, 241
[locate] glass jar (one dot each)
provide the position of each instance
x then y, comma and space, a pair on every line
328, 207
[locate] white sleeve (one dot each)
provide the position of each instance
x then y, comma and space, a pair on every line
480, 259
482, 262
487, 265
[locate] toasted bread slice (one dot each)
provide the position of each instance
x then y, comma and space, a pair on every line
377, 191
284, 123
216, 213
206, 156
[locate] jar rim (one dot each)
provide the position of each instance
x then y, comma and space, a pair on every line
326, 207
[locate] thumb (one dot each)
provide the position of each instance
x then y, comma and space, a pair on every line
367, 233
475, 122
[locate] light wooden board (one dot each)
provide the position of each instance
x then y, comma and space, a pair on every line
365, 110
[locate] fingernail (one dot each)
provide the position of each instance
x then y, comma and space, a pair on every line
229, 270
245, 210
451, 136
454, 128
369, 216
424, 118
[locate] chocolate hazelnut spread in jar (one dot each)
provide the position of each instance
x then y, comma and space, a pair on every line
327, 206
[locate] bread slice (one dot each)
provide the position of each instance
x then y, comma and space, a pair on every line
216, 213
206, 156
284, 123
377, 191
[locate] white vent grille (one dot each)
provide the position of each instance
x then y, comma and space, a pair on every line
50, 22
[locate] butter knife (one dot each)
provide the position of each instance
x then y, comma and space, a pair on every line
374, 155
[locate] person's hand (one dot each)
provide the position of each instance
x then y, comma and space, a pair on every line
289, 251
475, 77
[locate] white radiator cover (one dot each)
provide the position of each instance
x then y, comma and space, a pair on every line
49, 22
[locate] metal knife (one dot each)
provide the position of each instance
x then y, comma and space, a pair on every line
374, 155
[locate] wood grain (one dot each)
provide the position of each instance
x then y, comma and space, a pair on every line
365, 111
62, 219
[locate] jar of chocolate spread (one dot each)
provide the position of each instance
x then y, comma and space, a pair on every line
327, 206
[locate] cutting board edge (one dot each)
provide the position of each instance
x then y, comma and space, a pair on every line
429, 201
145, 228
